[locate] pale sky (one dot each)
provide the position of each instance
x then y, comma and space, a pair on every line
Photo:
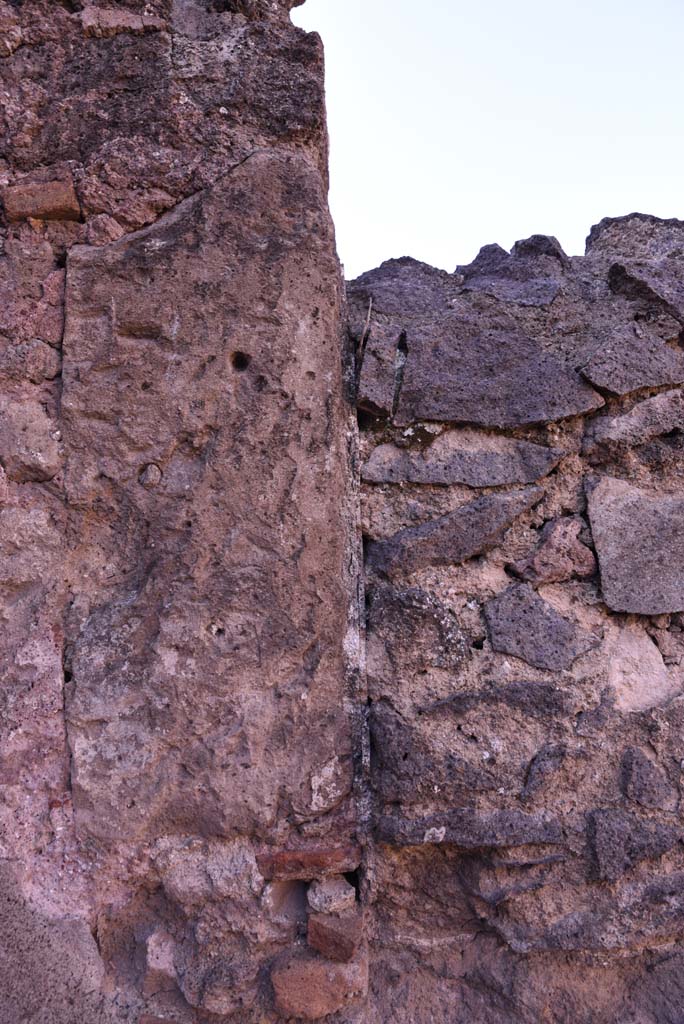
457, 124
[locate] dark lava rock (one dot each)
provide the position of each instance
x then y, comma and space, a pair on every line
468, 370
618, 841
531, 275
454, 537
646, 783
656, 282
463, 457
415, 630
629, 362
470, 829
523, 625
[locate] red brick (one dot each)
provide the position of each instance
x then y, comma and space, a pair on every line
51, 200
315, 862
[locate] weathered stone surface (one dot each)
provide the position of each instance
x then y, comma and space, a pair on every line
179, 656
639, 538
331, 896
336, 936
410, 630
316, 862
560, 555
522, 624
465, 457
645, 783
630, 362
29, 442
382, 360
193, 752
468, 829
648, 419
461, 371
452, 538
530, 275
658, 281
618, 841
51, 200
309, 987
155, 421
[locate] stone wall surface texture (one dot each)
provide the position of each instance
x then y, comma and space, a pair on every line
243, 776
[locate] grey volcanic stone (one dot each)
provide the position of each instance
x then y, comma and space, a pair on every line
531, 275
651, 418
646, 783
522, 624
657, 281
452, 538
617, 841
466, 369
629, 362
639, 540
404, 287
463, 456
378, 382
468, 828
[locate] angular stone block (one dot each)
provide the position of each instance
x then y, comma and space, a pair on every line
639, 538
463, 457
307, 986
50, 200
463, 370
336, 936
523, 625
455, 537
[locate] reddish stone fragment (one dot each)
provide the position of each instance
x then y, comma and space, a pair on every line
317, 862
336, 936
560, 556
308, 987
51, 200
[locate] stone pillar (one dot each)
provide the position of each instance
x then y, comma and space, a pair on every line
178, 556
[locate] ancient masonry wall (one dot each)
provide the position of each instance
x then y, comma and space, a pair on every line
244, 777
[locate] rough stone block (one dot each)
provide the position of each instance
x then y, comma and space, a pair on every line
452, 538
331, 896
336, 936
618, 841
560, 555
462, 369
645, 783
466, 457
51, 200
29, 442
639, 539
307, 986
522, 624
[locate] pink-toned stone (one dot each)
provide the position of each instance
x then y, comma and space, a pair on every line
104, 22
336, 936
560, 556
309, 987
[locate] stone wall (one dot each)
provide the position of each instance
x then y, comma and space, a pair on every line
523, 512
242, 777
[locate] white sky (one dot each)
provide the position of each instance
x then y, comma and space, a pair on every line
454, 124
